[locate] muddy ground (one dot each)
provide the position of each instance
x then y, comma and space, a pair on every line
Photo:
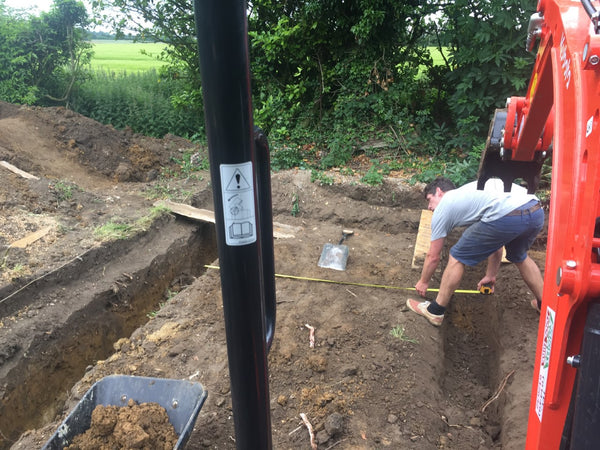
76, 306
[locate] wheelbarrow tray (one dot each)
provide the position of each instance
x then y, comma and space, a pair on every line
181, 399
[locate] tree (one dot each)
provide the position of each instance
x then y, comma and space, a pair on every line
343, 70
41, 55
16, 84
171, 22
324, 51
64, 25
488, 61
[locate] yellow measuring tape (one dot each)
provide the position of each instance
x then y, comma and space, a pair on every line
350, 283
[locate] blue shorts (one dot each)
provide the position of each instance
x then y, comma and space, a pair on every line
516, 233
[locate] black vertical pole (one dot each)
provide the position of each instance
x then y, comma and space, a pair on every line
222, 42
265, 208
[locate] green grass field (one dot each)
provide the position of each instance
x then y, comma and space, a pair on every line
438, 60
125, 56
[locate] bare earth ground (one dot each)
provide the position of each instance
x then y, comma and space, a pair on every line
75, 309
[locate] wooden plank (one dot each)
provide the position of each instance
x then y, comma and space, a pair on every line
31, 238
18, 171
204, 215
423, 239
280, 230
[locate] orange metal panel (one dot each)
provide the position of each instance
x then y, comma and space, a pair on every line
572, 274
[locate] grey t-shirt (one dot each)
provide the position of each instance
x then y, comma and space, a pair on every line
464, 206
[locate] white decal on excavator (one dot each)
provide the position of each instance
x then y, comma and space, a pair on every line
544, 362
565, 61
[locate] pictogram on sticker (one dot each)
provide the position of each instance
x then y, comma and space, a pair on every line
238, 203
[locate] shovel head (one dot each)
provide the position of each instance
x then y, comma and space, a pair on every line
334, 257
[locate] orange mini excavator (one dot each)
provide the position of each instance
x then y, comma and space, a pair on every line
560, 118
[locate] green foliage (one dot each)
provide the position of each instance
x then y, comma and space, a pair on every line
15, 80
286, 157
488, 58
427, 170
191, 162
321, 177
168, 22
118, 229
340, 146
399, 332
295, 205
63, 190
113, 231
152, 314
141, 101
460, 168
336, 69
326, 76
464, 169
163, 189
375, 174
42, 57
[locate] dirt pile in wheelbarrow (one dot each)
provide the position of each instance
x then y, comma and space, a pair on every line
377, 376
143, 426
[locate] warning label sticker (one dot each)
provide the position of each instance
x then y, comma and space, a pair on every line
238, 203
544, 362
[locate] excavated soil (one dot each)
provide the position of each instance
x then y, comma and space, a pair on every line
76, 307
145, 426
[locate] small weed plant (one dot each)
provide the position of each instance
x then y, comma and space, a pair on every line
63, 190
163, 189
152, 314
192, 162
399, 333
321, 177
375, 174
295, 205
118, 230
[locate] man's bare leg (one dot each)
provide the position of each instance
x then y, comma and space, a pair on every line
450, 281
532, 276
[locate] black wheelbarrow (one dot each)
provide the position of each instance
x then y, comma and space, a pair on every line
181, 399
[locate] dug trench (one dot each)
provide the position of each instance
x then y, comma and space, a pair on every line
427, 389
108, 292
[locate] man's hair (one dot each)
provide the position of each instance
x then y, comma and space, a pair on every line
440, 182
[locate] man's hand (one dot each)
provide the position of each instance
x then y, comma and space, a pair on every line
421, 288
488, 281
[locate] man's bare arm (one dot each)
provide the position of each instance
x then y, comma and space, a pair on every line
430, 265
493, 266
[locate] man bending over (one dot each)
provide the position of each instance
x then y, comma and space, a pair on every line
495, 220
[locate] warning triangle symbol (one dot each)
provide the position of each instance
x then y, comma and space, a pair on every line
237, 182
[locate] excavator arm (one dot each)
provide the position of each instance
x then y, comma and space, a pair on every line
560, 118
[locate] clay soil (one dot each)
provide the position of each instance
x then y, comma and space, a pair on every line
145, 426
378, 376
